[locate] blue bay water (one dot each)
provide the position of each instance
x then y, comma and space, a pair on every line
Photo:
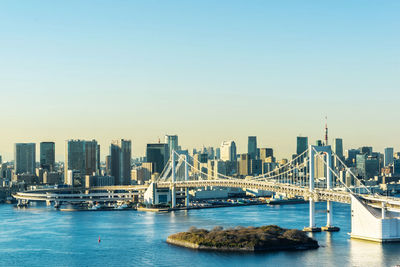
42, 236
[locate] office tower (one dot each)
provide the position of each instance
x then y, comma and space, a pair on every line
108, 165
351, 156
302, 144
266, 153
158, 155
172, 141
121, 153
81, 156
396, 167
252, 147
228, 151
244, 164
47, 155
366, 150
360, 163
372, 167
338, 147
256, 167
218, 153
318, 143
1, 160
25, 158
388, 155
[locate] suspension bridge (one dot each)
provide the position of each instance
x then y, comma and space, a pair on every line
374, 217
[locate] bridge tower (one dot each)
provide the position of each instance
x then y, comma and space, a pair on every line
187, 179
173, 178
313, 152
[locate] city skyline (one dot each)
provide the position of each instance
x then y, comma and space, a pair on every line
242, 148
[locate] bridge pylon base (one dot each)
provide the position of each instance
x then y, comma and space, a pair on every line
330, 228
312, 229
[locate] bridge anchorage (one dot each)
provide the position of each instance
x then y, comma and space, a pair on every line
311, 175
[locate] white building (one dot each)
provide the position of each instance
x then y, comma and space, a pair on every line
228, 151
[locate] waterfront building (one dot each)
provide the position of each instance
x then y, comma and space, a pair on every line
228, 151
52, 177
252, 147
302, 144
388, 156
47, 155
82, 156
121, 154
25, 158
157, 154
96, 180
172, 141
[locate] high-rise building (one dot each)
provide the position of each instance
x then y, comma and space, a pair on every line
25, 158
338, 147
158, 154
252, 147
302, 144
172, 141
361, 164
228, 151
244, 164
81, 157
388, 155
121, 153
1, 160
266, 153
47, 155
218, 153
366, 150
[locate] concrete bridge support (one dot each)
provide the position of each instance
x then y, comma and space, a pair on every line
374, 223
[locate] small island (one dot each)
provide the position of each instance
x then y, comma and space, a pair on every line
251, 239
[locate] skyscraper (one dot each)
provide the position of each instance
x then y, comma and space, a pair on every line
266, 153
302, 144
158, 155
338, 147
47, 155
388, 155
81, 155
172, 141
121, 153
25, 158
252, 147
228, 151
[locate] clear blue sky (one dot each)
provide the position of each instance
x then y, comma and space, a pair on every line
206, 70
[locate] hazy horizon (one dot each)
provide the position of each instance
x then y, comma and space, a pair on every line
207, 71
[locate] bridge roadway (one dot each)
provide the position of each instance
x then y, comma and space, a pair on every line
114, 193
